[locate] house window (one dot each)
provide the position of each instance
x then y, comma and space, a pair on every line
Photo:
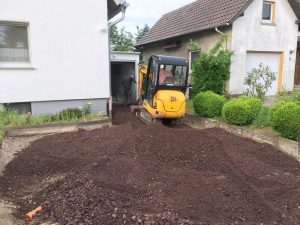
14, 45
268, 12
193, 57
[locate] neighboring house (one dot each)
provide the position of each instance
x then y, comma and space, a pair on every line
55, 54
258, 32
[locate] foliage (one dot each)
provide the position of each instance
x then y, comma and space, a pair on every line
141, 32
87, 109
262, 119
209, 104
259, 81
192, 46
288, 97
241, 111
212, 69
121, 40
70, 114
285, 119
11, 118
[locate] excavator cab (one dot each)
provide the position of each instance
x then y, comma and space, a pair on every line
165, 87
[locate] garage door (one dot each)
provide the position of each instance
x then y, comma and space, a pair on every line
273, 60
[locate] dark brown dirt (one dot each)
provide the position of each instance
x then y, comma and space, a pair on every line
152, 174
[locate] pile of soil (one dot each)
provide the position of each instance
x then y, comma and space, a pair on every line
152, 174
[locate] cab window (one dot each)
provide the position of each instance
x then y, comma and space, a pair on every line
170, 75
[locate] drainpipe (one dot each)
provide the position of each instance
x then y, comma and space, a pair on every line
223, 34
110, 24
220, 32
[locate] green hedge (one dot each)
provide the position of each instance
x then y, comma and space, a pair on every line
209, 104
211, 69
285, 119
241, 111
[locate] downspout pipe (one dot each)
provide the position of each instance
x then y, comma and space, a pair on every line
124, 7
218, 31
222, 33
110, 25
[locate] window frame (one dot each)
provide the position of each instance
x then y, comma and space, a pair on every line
190, 58
19, 65
273, 12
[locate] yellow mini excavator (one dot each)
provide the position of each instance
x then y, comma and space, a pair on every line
162, 88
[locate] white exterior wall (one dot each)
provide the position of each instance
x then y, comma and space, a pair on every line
69, 51
249, 34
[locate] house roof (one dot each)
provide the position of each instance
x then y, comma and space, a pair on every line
199, 16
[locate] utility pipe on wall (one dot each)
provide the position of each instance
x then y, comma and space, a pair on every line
111, 24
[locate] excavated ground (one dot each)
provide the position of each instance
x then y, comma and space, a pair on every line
152, 174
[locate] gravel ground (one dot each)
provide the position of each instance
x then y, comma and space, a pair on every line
152, 174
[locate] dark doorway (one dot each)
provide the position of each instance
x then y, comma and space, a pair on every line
119, 70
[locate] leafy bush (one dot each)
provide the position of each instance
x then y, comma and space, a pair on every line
87, 109
262, 119
70, 114
259, 81
285, 119
212, 69
241, 111
209, 104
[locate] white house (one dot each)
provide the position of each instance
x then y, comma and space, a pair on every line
259, 31
55, 54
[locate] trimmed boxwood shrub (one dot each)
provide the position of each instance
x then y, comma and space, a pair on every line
209, 104
241, 111
285, 119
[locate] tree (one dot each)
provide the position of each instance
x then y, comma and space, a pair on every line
121, 40
141, 32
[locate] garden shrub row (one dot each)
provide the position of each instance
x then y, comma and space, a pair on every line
240, 111
283, 117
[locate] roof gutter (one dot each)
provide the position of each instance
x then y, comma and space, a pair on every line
124, 7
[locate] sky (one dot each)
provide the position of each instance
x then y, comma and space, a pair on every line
141, 12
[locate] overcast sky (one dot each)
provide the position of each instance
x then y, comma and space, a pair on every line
142, 12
